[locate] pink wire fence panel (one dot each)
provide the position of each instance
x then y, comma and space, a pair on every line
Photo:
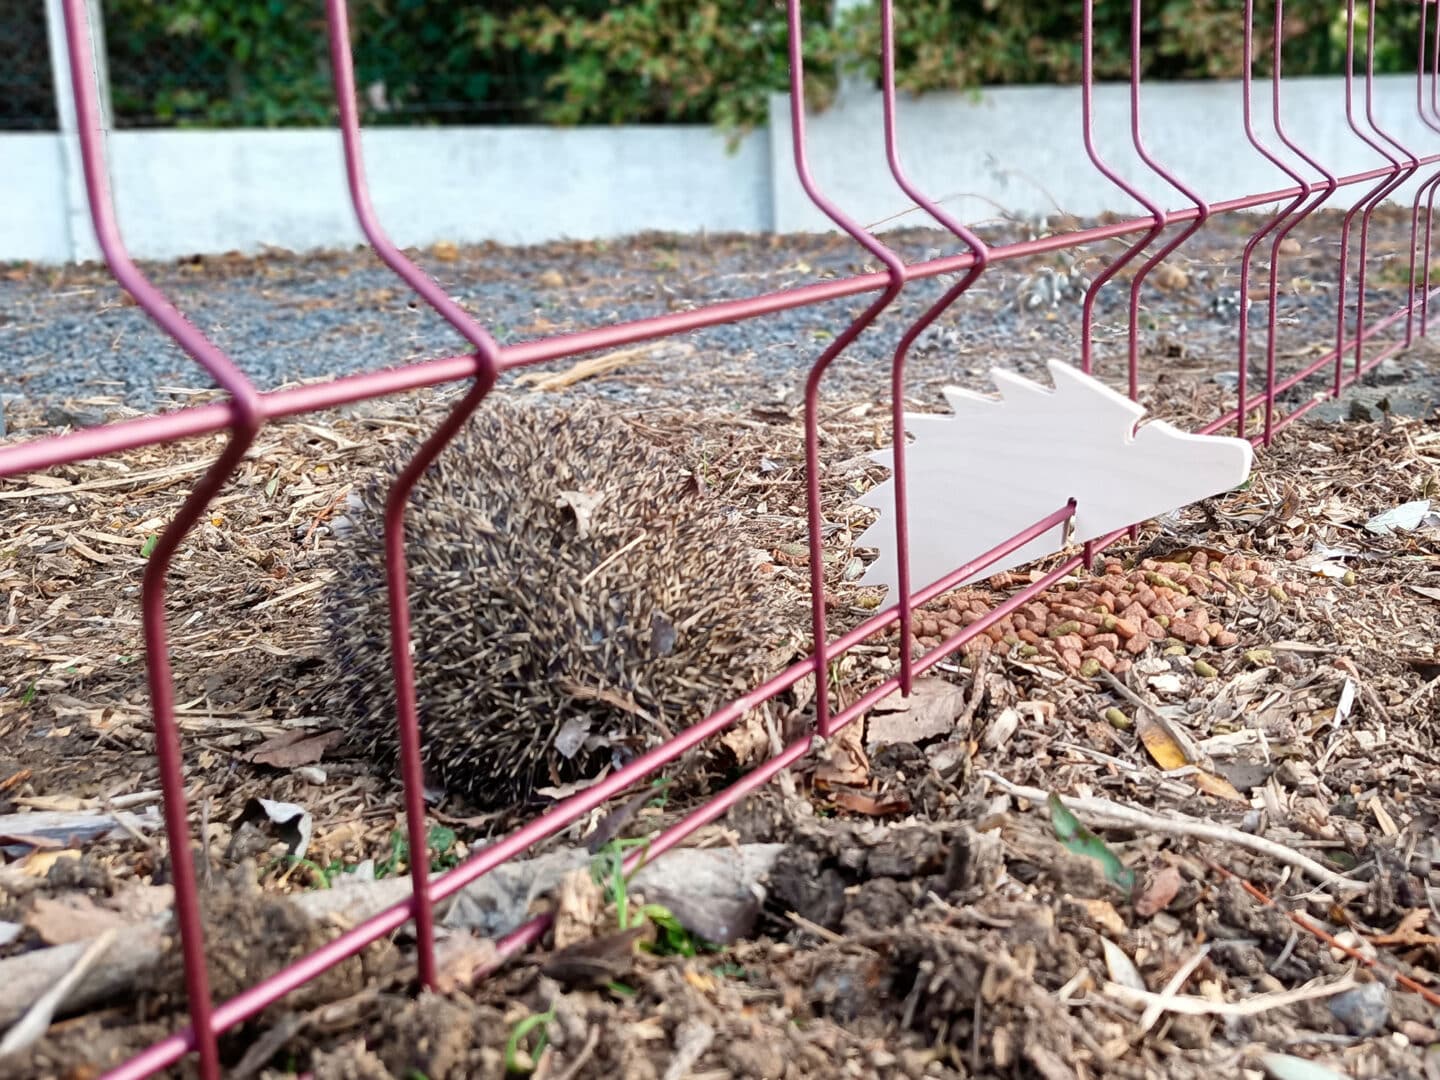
1146, 240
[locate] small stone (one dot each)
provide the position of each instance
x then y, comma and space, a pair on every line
1137, 644
58, 416
1364, 1011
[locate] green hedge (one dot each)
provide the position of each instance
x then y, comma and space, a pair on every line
263, 62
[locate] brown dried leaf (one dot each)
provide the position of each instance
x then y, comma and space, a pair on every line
1219, 787
294, 748
459, 957
1163, 746
869, 804
70, 917
596, 961
1408, 931
845, 761
929, 712
1103, 914
579, 904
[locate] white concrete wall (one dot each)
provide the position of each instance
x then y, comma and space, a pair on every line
180, 192
1021, 147
32, 198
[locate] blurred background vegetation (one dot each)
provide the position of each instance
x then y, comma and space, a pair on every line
263, 63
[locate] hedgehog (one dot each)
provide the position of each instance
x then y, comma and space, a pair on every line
576, 596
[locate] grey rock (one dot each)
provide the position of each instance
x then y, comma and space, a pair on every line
1364, 1011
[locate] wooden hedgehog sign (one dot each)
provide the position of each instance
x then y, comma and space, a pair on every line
980, 475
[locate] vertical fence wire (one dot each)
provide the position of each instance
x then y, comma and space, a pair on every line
245, 423
896, 276
487, 369
981, 256
1430, 119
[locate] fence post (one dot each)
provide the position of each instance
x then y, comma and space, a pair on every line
81, 237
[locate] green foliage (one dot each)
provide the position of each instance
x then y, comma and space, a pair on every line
1080, 840
607, 868
519, 1059
665, 60
441, 842
265, 62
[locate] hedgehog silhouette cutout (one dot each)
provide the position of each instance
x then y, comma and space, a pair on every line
994, 466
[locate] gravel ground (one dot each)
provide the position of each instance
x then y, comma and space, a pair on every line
72, 335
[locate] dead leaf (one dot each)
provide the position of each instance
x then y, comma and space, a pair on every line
1426, 591
1407, 931
38, 863
1159, 892
871, 805
845, 761
748, 740
459, 956
1219, 787
70, 917
1121, 968
1159, 741
929, 712
596, 961
1103, 914
289, 821
294, 748
579, 903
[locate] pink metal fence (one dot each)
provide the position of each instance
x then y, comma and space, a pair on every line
248, 410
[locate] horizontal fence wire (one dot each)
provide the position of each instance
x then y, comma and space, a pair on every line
1256, 415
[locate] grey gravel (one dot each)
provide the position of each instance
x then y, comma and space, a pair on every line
71, 338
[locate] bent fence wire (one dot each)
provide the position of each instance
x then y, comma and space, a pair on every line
1256, 415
